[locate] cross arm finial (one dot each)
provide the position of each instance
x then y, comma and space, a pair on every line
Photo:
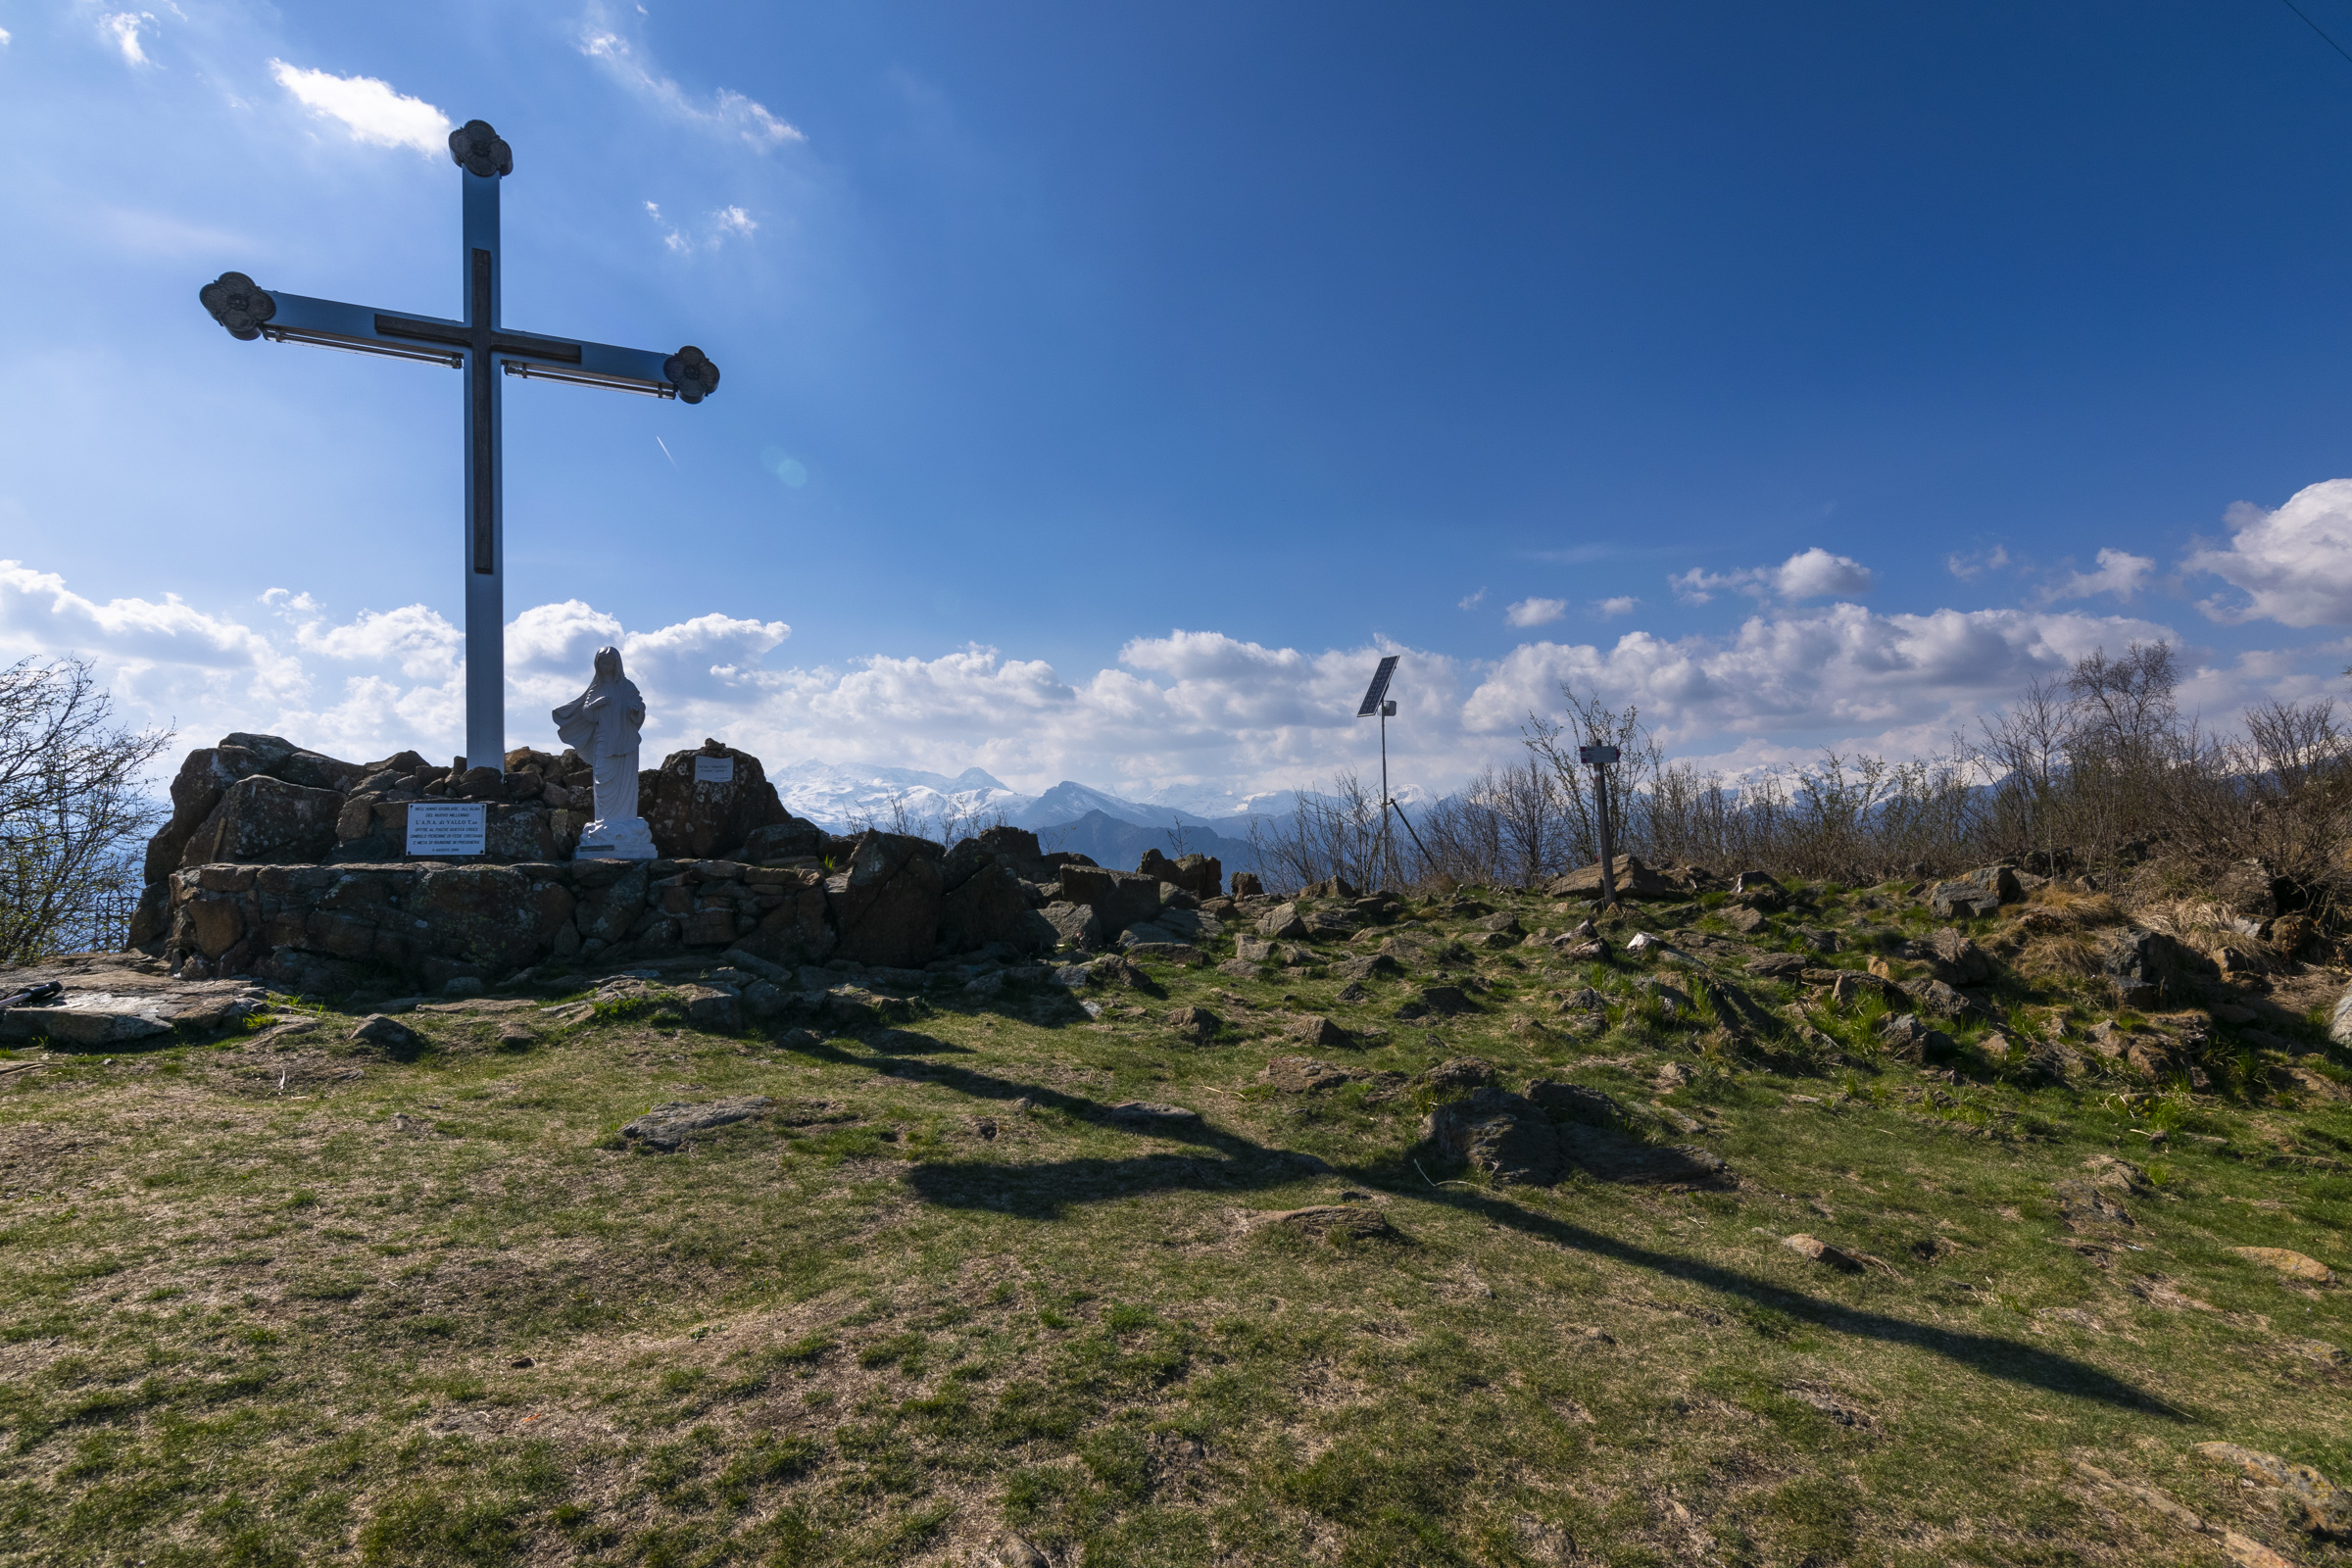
478, 150
691, 371
238, 304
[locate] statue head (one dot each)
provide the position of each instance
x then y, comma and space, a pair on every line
608, 664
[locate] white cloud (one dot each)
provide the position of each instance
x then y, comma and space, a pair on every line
1967, 569
122, 28
1184, 710
728, 112
2120, 573
1622, 605
2294, 564
1812, 573
367, 108
1536, 612
5, 39
726, 221
1471, 600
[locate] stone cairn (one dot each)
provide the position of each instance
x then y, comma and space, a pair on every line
290, 867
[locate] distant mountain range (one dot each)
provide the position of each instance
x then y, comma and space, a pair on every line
1074, 816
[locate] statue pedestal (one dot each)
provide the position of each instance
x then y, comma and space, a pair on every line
625, 837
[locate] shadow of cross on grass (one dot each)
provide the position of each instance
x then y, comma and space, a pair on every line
1044, 1190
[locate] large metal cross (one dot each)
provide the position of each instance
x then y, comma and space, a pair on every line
481, 348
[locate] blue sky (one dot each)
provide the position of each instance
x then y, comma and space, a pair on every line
1106, 386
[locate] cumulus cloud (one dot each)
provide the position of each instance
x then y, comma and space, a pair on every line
1813, 574
2120, 573
1196, 710
368, 109
2292, 566
1622, 605
1536, 612
1471, 600
122, 29
728, 113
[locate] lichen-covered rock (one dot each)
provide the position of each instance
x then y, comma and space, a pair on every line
669, 1126
886, 905
697, 820
262, 819
1119, 899
1499, 1133
990, 910
794, 930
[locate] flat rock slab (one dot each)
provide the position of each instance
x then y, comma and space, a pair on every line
1325, 1220
114, 999
1304, 1075
669, 1126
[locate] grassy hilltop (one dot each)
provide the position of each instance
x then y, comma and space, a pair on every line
296, 1297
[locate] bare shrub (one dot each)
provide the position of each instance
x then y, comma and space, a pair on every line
73, 817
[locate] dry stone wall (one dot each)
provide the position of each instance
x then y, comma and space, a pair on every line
285, 866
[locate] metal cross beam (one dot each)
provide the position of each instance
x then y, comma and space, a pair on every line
483, 349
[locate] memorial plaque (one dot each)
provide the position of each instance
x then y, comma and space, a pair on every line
446, 828
715, 771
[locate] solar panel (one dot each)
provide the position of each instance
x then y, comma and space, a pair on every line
1378, 687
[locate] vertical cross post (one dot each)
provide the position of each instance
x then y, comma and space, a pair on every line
484, 533
1600, 759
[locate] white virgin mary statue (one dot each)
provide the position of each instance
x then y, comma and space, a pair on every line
602, 725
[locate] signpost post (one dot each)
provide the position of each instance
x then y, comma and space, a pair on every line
1600, 759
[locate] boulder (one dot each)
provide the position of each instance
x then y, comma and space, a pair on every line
1910, 1040
1012, 849
1443, 1000
2149, 969
886, 905
478, 915
1198, 874
1245, 885
1302, 1076
1634, 880
989, 907
1499, 1133
2316, 1504
1953, 956
1075, 924
1455, 1077
1284, 923
265, 820
1962, 900
1119, 899
777, 843
692, 821
1577, 1102
669, 1126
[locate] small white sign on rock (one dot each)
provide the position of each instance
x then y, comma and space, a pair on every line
715, 771
446, 827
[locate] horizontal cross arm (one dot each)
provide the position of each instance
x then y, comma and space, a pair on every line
331, 323
641, 371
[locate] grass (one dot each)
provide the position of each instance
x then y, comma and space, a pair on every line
241, 1326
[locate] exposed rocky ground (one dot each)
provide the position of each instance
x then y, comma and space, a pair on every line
1965, 1222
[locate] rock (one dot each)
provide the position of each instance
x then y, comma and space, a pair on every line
1009, 1550
1119, 899
1506, 924
2084, 1207
1319, 1031
693, 820
669, 1126
1953, 958
1578, 1104
1245, 885
2339, 1024
2297, 1080
1939, 999
2149, 969
774, 843
1437, 1000
267, 821
1634, 880
991, 907
1838, 1258
1376, 966
1198, 874
1499, 1133
2319, 1504
1181, 954
1747, 923
797, 930
1910, 1040
386, 1034
1074, 924
1302, 1076
1456, 1076
1196, 1024
1962, 900
886, 907
1283, 923
2294, 1265
713, 1008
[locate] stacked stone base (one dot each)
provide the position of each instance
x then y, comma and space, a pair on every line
325, 928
